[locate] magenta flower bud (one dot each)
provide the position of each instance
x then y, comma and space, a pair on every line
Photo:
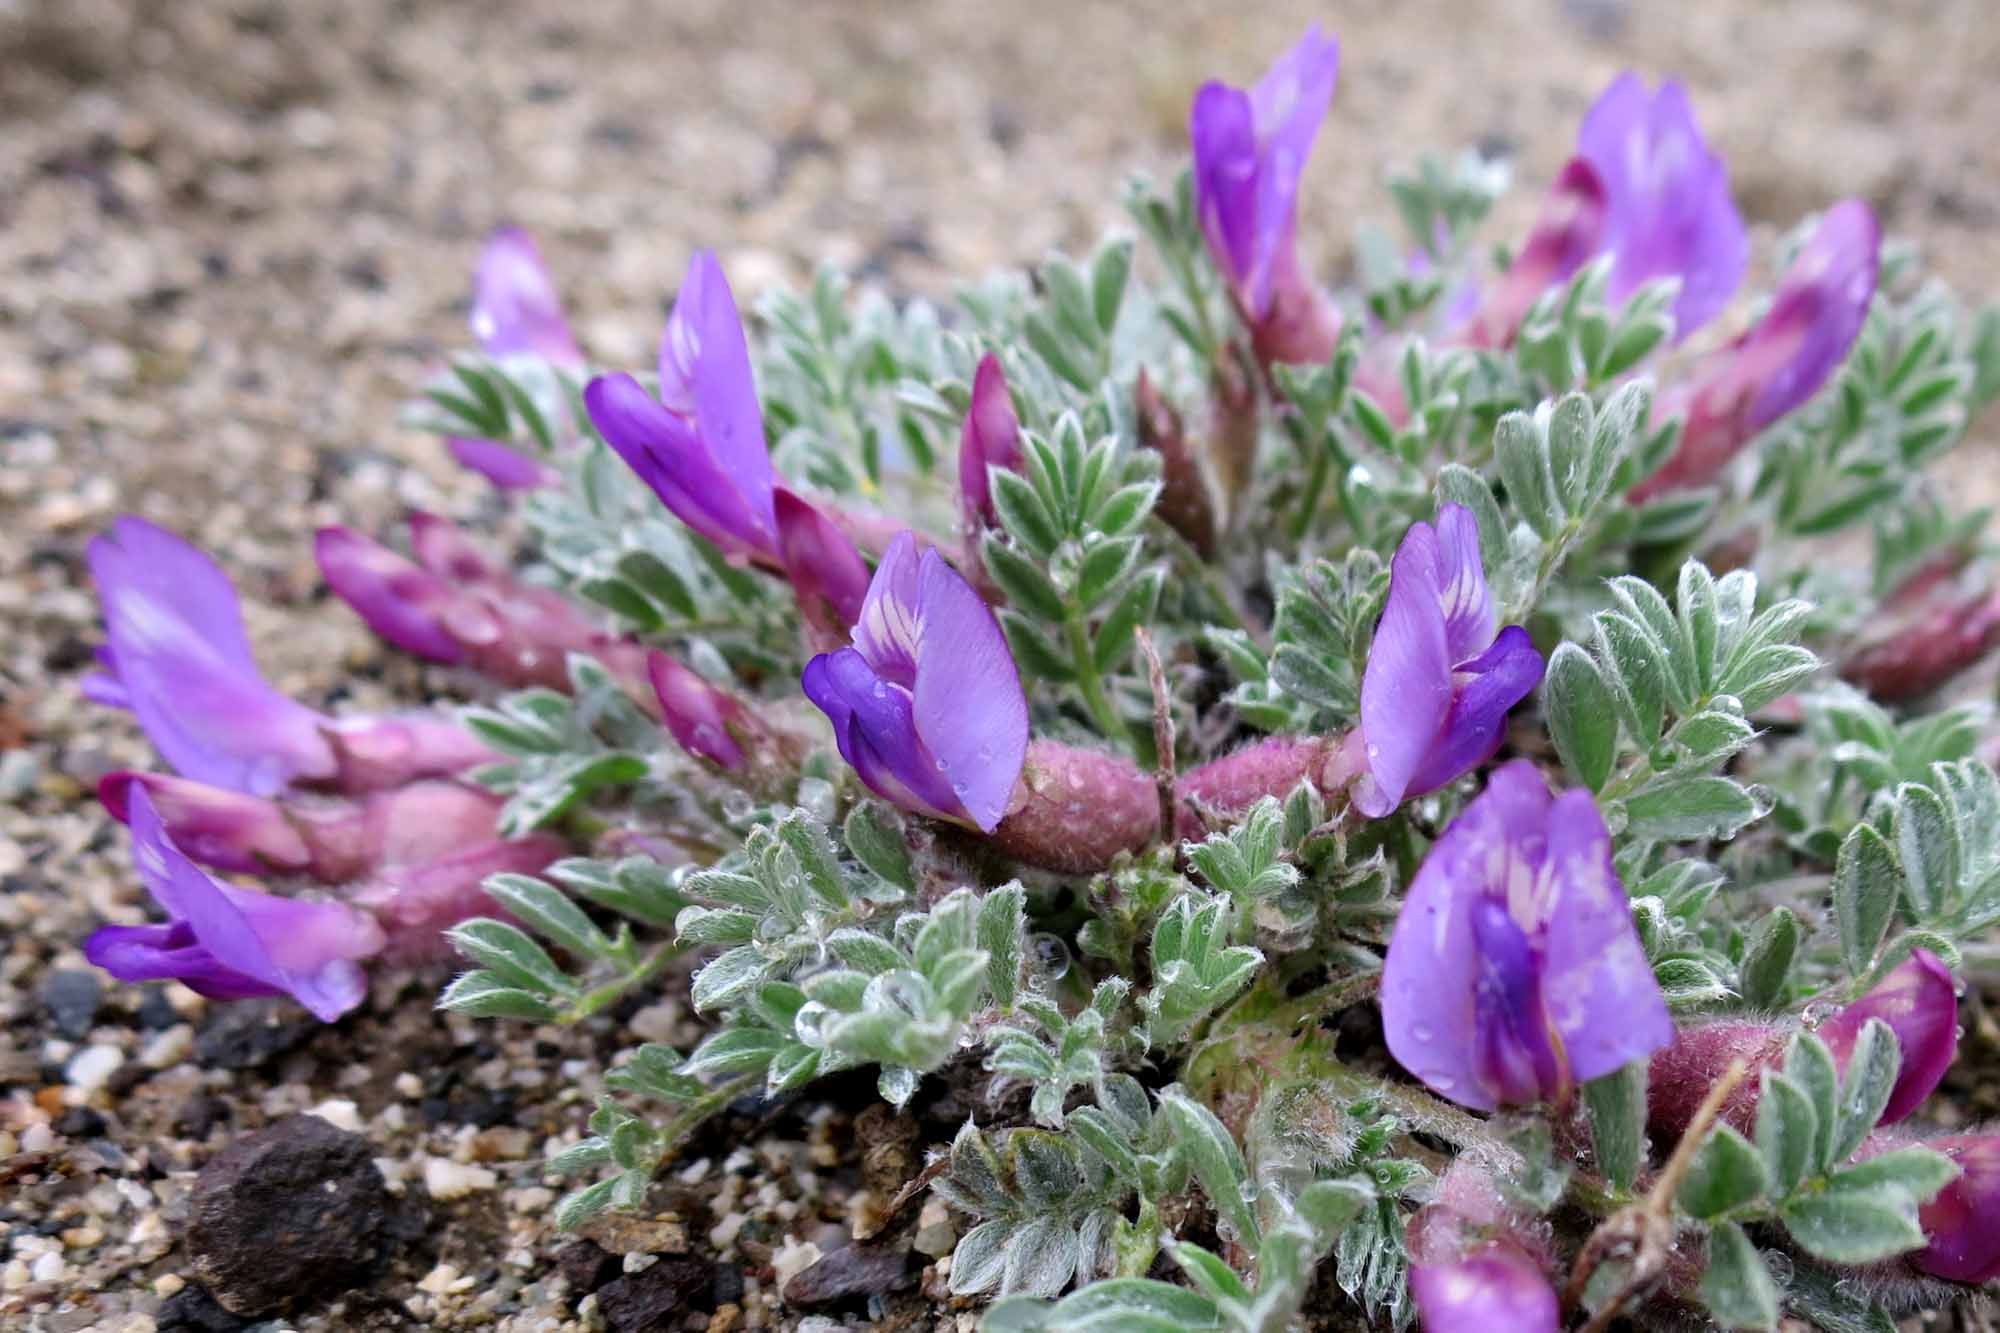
1439, 682
927, 704
1569, 232
990, 438
1187, 495
1962, 1224
1514, 972
1667, 210
827, 573
460, 607
214, 826
700, 444
1924, 640
230, 943
402, 603
1250, 148
1475, 1267
177, 654
1919, 1002
704, 719
515, 308
1783, 359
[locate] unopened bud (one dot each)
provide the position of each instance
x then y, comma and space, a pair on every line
1187, 495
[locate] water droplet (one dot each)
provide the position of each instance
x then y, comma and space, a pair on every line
1422, 1033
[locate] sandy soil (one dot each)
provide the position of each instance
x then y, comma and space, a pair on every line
233, 236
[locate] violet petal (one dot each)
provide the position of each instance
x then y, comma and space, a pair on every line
183, 664
502, 464
1406, 689
970, 710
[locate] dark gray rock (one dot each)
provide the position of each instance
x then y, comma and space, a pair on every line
293, 1212
193, 1310
250, 1033
73, 996
849, 1273
656, 1299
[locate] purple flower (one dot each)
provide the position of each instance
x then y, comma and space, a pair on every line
1476, 1265
178, 655
990, 438
230, 943
1493, 1288
1439, 682
1783, 359
502, 464
700, 444
927, 704
515, 312
515, 308
1250, 148
826, 571
1569, 231
455, 605
1514, 972
1962, 1224
1919, 1002
1667, 207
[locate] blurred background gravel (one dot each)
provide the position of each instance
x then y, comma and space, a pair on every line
234, 234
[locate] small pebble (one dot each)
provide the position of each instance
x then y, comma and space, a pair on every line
73, 997
935, 1234
49, 1268
340, 1113
793, 1258
168, 1284
93, 1066
446, 1179
168, 1048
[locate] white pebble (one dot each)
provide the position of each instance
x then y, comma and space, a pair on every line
38, 1137
438, 1280
446, 1179
793, 1258
92, 1066
409, 1085
340, 1113
169, 1048
49, 1268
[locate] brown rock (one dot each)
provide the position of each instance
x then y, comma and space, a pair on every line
290, 1213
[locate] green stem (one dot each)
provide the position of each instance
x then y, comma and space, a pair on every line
677, 1129
1309, 500
594, 1000
1091, 683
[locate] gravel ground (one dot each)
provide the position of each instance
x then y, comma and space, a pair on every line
233, 236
